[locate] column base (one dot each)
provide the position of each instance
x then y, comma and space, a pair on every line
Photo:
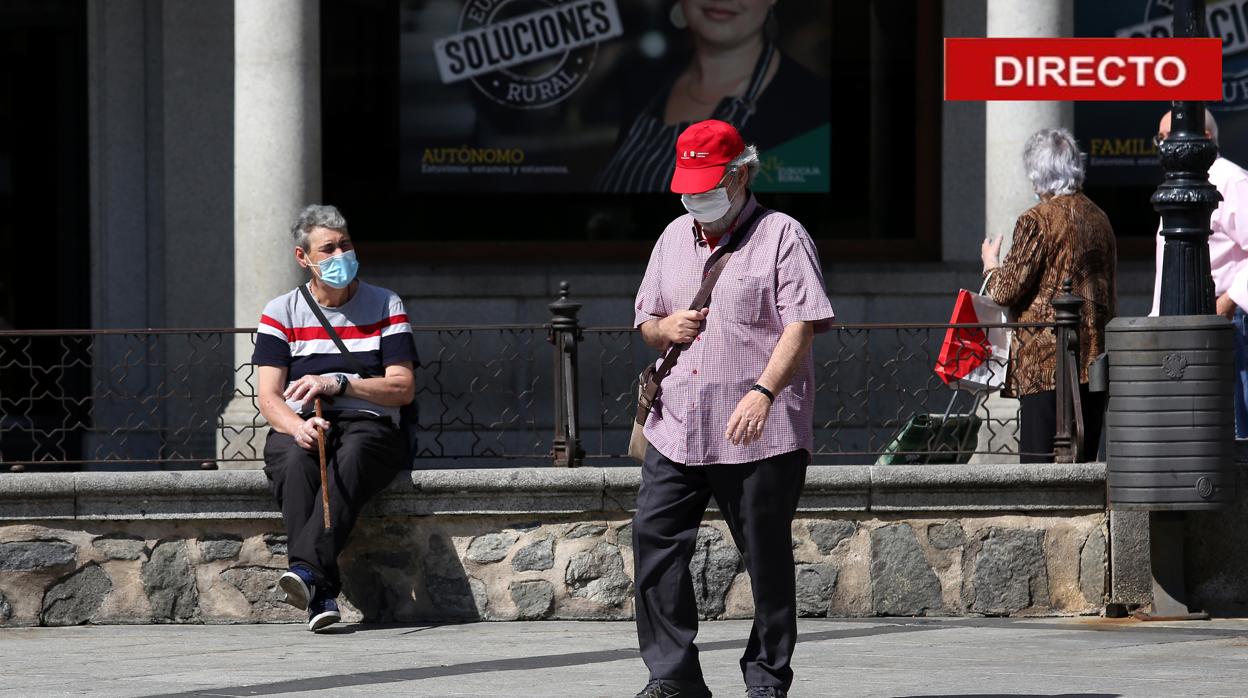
241, 436
999, 431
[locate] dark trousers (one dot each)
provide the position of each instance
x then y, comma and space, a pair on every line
1240, 337
362, 457
1037, 424
758, 501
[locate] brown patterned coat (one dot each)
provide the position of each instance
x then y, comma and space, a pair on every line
1064, 237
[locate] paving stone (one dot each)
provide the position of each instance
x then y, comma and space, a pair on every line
257, 584
169, 583
120, 546
75, 599
1009, 572
480, 597
29, 555
534, 598
714, 565
829, 534
223, 547
815, 584
946, 536
1092, 567
902, 581
446, 583
624, 535
276, 543
536, 556
491, 547
585, 530
598, 574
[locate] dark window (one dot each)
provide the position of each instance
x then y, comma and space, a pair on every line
43, 165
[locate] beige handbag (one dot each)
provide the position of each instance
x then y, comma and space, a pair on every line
650, 380
637, 443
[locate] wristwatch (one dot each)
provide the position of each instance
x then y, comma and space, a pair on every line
343, 382
758, 388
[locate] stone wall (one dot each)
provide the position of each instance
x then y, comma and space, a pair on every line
544, 543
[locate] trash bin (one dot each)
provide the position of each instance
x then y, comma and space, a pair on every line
1171, 419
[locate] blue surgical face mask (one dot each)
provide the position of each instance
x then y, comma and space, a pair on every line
339, 271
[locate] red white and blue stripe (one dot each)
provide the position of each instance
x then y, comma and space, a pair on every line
373, 325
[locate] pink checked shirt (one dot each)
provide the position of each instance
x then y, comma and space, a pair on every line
1228, 244
772, 279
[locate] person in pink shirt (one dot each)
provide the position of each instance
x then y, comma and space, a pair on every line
734, 418
1228, 259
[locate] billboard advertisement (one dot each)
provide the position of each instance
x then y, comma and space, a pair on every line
568, 96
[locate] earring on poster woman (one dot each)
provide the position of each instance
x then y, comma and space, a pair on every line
677, 16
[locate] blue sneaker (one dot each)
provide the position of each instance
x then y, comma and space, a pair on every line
299, 586
322, 613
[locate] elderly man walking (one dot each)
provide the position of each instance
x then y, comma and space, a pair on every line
734, 416
363, 383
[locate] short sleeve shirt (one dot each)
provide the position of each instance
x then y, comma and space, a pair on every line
773, 279
373, 325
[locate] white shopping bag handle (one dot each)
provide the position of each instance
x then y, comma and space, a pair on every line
987, 277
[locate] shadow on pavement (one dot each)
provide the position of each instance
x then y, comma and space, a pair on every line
520, 663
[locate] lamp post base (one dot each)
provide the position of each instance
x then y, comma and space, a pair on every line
1165, 533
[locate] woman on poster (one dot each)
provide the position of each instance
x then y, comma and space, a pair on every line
736, 74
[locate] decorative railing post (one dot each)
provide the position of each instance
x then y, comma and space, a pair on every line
565, 334
1068, 439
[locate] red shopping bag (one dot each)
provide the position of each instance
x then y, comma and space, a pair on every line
975, 358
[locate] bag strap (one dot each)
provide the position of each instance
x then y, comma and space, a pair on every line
353, 362
717, 262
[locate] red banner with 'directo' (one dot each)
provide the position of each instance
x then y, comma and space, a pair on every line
1001, 69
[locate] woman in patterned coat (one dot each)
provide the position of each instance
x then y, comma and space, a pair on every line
1064, 236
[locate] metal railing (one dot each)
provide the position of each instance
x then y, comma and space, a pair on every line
488, 395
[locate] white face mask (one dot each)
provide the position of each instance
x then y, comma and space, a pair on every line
708, 207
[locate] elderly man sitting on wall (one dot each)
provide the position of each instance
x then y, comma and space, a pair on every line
363, 385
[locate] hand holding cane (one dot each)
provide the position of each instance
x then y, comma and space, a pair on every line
320, 442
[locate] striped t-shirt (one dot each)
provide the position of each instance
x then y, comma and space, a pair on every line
373, 325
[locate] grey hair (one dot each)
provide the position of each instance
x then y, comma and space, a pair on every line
316, 216
748, 159
1053, 162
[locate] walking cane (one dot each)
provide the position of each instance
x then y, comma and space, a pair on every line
320, 442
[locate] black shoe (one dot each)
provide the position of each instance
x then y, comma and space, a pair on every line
765, 692
671, 688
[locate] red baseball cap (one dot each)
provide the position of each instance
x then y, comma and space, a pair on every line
703, 152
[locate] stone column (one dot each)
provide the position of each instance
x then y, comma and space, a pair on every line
277, 171
1007, 191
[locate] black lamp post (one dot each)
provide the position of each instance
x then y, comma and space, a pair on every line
1185, 201
1186, 198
